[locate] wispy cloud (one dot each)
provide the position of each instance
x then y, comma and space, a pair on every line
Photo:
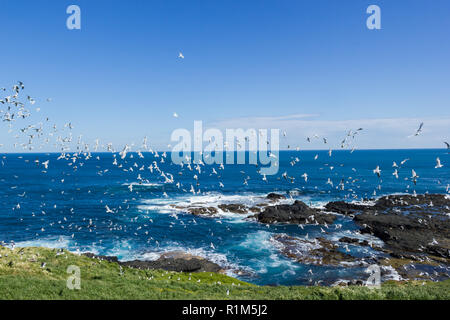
376, 133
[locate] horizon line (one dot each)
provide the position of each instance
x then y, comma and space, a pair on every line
224, 151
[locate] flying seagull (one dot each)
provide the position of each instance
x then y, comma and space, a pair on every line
419, 131
438, 163
377, 171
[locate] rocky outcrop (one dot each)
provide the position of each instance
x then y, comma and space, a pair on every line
318, 251
296, 213
234, 208
172, 261
343, 207
100, 257
410, 225
275, 197
408, 234
208, 211
354, 241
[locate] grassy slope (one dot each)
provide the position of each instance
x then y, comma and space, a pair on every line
21, 277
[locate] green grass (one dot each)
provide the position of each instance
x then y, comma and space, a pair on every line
21, 277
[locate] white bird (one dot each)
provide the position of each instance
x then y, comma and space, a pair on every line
395, 173
438, 163
45, 164
377, 171
419, 131
175, 115
414, 176
180, 55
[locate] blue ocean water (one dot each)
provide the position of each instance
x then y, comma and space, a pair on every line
64, 206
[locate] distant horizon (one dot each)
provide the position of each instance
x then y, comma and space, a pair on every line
169, 151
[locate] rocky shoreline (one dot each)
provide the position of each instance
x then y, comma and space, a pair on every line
414, 229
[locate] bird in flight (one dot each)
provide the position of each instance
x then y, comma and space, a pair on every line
377, 171
438, 163
419, 131
180, 55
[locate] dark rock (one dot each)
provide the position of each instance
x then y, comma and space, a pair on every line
319, 251
275, 197
106, 258
234, 208
296, 213
202, 210
354, 241
343, 207
409, 224
171, 261
355, 283
178, 265
348, 240
414, 229
255, 209
437, 200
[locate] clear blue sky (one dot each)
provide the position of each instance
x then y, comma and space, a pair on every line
246, 63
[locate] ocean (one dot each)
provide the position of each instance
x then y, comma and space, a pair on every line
88, 206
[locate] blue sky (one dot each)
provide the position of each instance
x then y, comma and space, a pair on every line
247, 64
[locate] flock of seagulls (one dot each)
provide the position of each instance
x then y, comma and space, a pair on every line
31, 135
44, 131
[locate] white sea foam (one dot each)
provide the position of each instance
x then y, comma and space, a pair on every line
210, 199
336, 235
144, 184
61, 242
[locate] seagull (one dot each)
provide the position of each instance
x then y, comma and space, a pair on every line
419, 131
438, 163
395, 173
108, 210
175, 115
305, 176
180, 55
377, 171
403, 162
45, 164
414, 176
